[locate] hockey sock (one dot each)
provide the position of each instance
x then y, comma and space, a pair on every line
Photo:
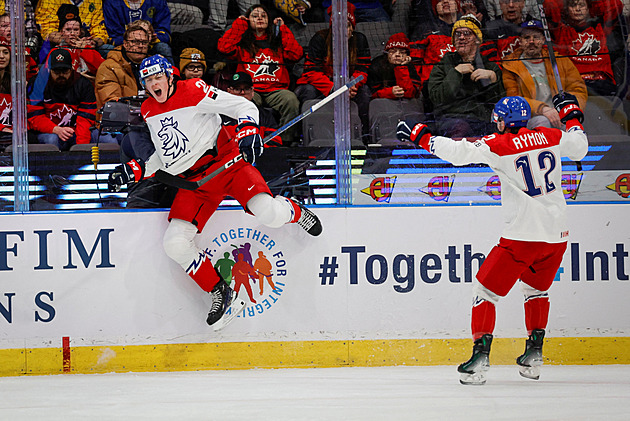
483, 318
483, 311
203, 272
536, 312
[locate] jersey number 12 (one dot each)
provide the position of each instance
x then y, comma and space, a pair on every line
545, 158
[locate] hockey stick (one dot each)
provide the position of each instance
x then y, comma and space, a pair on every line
175, 181
552, 56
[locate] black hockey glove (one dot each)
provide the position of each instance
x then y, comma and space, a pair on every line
568, 107
249, 141
125, 174
411, 130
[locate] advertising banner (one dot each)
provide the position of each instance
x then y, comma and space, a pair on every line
375, 272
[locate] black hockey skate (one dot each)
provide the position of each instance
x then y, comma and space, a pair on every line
531, 360
474, 370
308, 220
225, 306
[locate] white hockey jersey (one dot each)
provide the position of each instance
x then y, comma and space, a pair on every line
187, 125
529, 167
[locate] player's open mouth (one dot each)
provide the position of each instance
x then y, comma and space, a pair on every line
157, 92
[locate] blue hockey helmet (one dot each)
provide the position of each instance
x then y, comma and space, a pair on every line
513, 110
154, 65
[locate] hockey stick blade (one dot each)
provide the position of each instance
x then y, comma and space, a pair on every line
180, 183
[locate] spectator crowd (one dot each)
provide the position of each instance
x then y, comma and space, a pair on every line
456, 58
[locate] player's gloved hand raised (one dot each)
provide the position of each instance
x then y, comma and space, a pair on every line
124, 174
413, 131
568, 107
249, 141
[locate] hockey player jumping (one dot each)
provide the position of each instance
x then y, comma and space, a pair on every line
183, 118
533, 242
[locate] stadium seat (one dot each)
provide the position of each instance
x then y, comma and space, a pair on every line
303, 34
385, 115
604, 115
36, 147
184, 17
319, 129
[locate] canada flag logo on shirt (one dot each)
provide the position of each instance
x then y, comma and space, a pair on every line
263, 66
586, 44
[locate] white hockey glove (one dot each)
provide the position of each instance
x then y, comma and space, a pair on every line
249, 141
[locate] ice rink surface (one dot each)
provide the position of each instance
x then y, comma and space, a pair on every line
353, 393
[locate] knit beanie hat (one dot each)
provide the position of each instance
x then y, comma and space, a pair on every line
350, 9
398, 40
66, 13
191, 55
470, 22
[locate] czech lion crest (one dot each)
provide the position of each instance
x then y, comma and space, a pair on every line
173, 140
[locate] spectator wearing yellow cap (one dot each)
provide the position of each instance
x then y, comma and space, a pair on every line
465, 85
192, 63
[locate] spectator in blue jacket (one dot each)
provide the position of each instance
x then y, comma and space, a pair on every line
120, 13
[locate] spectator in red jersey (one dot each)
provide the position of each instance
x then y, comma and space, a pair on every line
608, 10
66, 113
391, 75
85, 59
316, 80
263, 51
506, 29
6, 101
5, 32
585, 40
431, 37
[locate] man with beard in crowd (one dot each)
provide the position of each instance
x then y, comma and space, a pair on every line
64, 115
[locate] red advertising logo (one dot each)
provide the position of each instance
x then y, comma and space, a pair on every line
439, 188
381, 189
621, 185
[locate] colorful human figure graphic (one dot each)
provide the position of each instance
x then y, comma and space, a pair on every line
224, 267
263, 267
241, 272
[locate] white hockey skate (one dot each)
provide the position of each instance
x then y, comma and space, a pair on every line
226, 306
530, 362
473, 371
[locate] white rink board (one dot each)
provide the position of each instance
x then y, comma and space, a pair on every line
132, 293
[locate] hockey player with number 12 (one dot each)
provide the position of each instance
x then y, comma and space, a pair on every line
183, 118
534, 239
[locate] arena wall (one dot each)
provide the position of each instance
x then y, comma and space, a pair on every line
94, 292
